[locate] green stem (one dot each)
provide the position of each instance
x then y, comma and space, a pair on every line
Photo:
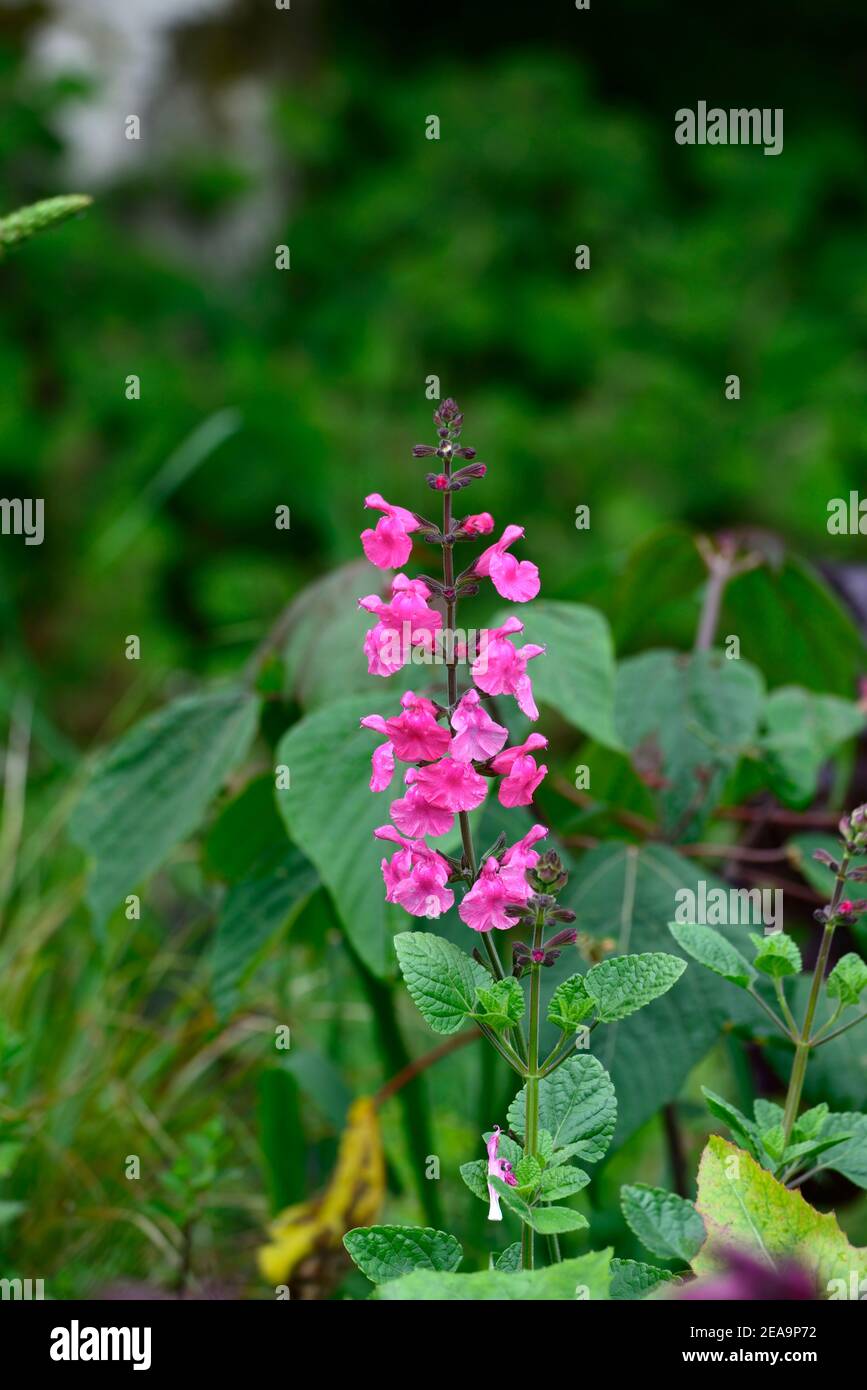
783, 1003
802, 1050
837, 1031
531, 1115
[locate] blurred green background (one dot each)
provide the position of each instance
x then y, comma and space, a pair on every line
410, 258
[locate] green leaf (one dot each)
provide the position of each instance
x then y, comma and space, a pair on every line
577, 1105
743, 1129
850, 1158
576, 674
848, 980
692, 718
441, 979
475, 1175
743, 1205
570, 1004
500, 1004
528, 1171
151, 790
650, 1054
280, 1122
630, 1279
561, 1182
9, 1211
547, 1221
802, 730
776, 954
622, 985
796, 627
587, 1277
331, 815
713, 952
387, 1252
252, 914
668, 1225
510, 1260
248, 838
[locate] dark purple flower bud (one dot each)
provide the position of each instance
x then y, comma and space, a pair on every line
423, 451
825, 858
465, 452
564, 938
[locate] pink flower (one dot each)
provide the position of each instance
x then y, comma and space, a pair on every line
404, 622
522, 775
484, 906
388, 545
479, 524
415, 734
477, 735
415, 816
520, 857
382, 760
501, 669
451, 785
416, 876
498, 1168
515, 580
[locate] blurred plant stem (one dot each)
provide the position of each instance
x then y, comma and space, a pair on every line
413, 1098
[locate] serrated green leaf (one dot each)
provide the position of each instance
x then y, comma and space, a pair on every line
510, 1260
801, 731
500, 1003
577, 1105
712, 951
475, 1175
547, 1221
777, 955
570, 1004
528, 1171
152, 789
631, 1279
773, 1142
667, 1225
848, 980
387, 1252
561, 1182
743, 1205
587, 1277
623, 984
545, 1145
442, 980
850, 1158
767, 1113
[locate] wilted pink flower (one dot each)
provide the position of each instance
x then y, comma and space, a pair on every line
404, 622
501, 668
388, 545
416, 876
414, 816
498, 1168
479, 524
476, 734
451, 785
515, 580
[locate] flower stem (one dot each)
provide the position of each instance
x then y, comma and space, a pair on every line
802, 1049
531, 1115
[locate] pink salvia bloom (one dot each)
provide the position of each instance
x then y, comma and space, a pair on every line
519, 787
388, 545
382, 761
414, 816
504, 761
484, 906
520, 857
416, 876
451, 785
477, 736
515, 580
501, 668
404, 622
498, 1168
479, 524
415, 734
